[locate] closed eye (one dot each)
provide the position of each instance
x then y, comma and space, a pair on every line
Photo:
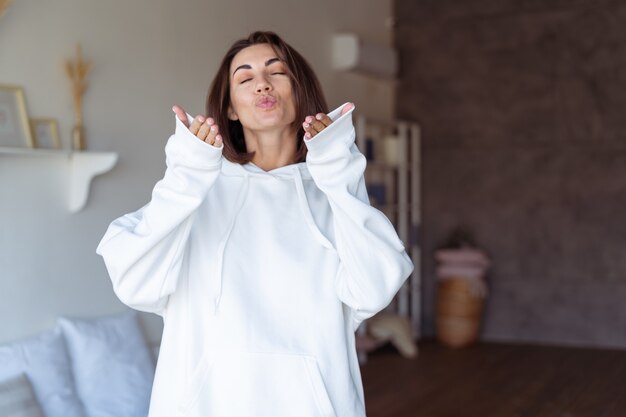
246, 80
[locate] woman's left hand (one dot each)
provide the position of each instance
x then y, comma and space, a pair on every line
315, 124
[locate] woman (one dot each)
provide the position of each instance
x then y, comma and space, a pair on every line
259, 248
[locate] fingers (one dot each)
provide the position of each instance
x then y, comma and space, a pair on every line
197, 122
314, 124
182, 115
209, 133
203, 131
204, 128
347, 108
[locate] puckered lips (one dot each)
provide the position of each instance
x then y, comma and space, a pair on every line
266, 102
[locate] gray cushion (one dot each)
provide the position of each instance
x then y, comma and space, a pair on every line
17, 398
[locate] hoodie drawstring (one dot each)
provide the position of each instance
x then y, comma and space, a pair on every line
220, 250
306, 211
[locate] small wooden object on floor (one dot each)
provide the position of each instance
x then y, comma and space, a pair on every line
459, 313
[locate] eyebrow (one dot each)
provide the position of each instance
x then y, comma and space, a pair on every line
247, 66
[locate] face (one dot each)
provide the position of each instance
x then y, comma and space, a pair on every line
261, 97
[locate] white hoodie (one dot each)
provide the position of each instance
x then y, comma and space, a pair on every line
262, 278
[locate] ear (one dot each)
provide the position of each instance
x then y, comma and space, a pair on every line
231, 114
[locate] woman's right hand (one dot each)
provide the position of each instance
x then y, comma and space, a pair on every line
204, 128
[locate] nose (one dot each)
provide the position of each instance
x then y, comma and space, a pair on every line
263, 86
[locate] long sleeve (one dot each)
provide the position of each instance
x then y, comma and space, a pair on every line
143, 251
373, 260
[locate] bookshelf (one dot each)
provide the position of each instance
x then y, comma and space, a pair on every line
392, 177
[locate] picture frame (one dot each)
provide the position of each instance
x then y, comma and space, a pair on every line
14, 126
45, 132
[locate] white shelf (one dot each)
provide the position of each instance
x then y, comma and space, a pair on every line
6, 151
82, 167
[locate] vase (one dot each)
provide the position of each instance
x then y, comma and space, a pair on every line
78, 138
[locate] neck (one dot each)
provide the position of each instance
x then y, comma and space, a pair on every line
272, 149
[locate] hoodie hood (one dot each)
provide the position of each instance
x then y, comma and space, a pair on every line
293, 172
250, 173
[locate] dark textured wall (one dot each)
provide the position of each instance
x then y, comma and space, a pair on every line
523, 109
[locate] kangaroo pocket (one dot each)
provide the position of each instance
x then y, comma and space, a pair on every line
252, 384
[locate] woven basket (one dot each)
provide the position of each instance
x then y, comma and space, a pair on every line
459, 313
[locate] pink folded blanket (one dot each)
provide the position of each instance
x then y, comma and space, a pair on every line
461, 271
465, 263
463, 256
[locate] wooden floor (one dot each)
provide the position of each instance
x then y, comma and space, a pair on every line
496, 380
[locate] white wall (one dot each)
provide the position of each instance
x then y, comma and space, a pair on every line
146, 55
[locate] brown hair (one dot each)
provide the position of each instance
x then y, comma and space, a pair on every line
308, 96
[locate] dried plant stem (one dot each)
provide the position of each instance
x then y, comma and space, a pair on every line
77, 72
4, 5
